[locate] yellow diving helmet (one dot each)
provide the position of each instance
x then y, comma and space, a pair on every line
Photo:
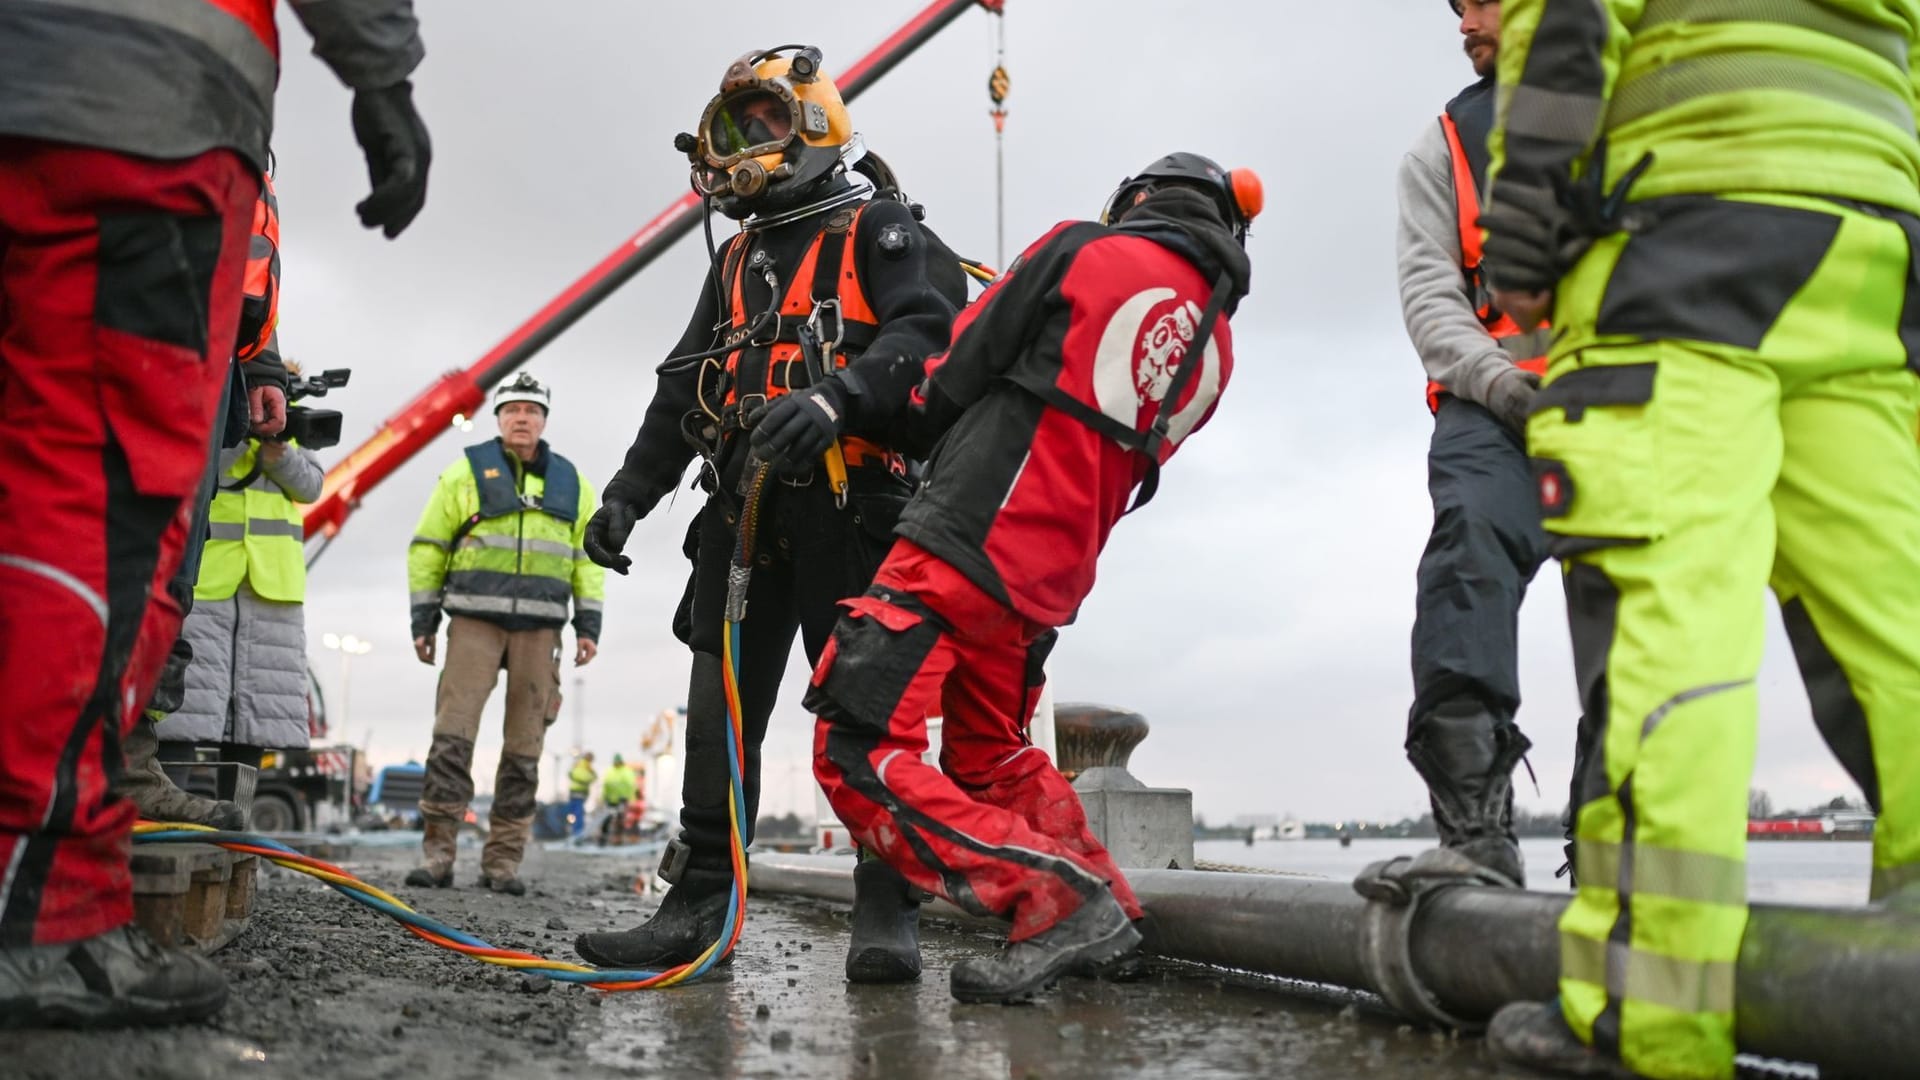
772, 135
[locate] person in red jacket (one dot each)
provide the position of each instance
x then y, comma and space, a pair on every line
1066, 387
132, 142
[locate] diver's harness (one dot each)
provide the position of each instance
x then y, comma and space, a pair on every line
795, 342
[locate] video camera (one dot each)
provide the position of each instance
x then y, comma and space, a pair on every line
316, 429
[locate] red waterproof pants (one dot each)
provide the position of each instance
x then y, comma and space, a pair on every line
996, 829
119, 301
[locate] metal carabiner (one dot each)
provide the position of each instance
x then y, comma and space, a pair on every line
828, 345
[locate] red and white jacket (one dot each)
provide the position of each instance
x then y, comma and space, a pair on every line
1019, 495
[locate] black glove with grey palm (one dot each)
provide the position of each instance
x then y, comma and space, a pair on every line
611, 525
798, 427
1510, 397
394, 139
1536, 233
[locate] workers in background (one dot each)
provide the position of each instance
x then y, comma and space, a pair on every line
617, 789
1731, 402
1487, 542
1068, 385
816, 253
126, 187
498, 550
579, 787
246, 688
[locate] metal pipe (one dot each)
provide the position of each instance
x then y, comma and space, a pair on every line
1835, 986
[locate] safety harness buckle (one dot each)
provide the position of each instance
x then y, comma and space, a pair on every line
748, 410
674, 862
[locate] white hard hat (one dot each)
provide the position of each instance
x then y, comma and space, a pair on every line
524, 387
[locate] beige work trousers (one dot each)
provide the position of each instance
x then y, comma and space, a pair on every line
477, 650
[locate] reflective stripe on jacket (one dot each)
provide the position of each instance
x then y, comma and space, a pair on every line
1811, 97
516, 569
254, 530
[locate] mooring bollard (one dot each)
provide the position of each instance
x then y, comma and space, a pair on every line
1144, 828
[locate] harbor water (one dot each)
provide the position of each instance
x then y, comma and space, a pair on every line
1823, 872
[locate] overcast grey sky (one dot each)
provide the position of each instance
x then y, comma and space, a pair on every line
1257, 613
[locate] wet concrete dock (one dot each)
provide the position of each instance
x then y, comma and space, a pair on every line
322, 987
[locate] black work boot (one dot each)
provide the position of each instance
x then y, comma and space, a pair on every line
1466, 755
1097, 933
689, 919
118, 978
1534, 1035
885, 947
1131, 967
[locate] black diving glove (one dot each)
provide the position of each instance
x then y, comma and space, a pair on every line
611, 525
394, 139
800, 426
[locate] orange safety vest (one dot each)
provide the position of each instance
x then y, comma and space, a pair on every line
773, 365
260, 302
1527, 347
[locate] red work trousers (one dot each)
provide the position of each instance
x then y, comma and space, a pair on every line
996, 829
120, 284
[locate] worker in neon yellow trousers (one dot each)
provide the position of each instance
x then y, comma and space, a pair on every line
1718, 204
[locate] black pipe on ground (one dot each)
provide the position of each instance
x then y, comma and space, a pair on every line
1839, 987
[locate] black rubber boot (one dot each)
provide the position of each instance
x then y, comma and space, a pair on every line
119, 978
1097, 933
689, 919
885, 947
1535, 1036
1467, 755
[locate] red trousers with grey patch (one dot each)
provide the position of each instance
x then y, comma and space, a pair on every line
120, 283
995, 829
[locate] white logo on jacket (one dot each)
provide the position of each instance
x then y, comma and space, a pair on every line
1135, 364
1165, 345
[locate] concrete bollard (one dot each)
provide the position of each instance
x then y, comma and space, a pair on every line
1144, 828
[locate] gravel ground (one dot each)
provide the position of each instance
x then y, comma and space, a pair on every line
324, 988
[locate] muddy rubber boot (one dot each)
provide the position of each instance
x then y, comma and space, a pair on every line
439, 843
885, 947
1534, 1035
1467, 756
689, 919
155, 794
119, 978
1099, 932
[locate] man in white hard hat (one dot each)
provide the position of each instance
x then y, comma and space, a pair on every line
498, 549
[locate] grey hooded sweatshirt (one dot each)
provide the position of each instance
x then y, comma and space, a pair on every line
1454, 348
